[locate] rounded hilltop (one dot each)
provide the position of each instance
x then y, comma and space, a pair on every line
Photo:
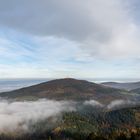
67, 89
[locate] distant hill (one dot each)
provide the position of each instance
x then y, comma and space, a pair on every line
126, 86
67, 89
136, 90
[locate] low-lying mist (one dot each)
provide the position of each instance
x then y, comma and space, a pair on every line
17, 116
121, 104
113, 104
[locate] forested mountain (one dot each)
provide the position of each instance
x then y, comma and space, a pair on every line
96, 114
86, 124
136, 90
127, 86
68, 89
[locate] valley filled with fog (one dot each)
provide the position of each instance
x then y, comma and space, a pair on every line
67, 109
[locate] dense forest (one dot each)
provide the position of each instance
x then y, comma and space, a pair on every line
85, 124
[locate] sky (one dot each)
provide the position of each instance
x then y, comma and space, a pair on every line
79, 39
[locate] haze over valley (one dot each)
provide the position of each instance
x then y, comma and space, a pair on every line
68, 109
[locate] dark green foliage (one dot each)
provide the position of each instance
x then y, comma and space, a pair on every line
86, 124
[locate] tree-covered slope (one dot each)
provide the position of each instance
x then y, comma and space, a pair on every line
86, 125
127, 86
67, 89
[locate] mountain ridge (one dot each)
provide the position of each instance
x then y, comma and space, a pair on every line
67, 89
126, 86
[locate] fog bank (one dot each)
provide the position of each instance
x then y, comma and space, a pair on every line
93, 103
16, 116
111, 105
120, 103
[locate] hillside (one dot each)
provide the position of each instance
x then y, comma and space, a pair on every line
67, 89
81, 124
125, 86
86, 124
136, 91
86, 121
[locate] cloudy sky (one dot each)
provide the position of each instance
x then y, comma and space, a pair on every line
70, 38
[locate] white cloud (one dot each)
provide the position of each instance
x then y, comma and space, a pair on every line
103, 29
16, 116
93, 103
19, 115
120, 103
12, 49
64, 34
113, 104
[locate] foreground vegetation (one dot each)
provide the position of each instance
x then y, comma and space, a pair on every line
87, 123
